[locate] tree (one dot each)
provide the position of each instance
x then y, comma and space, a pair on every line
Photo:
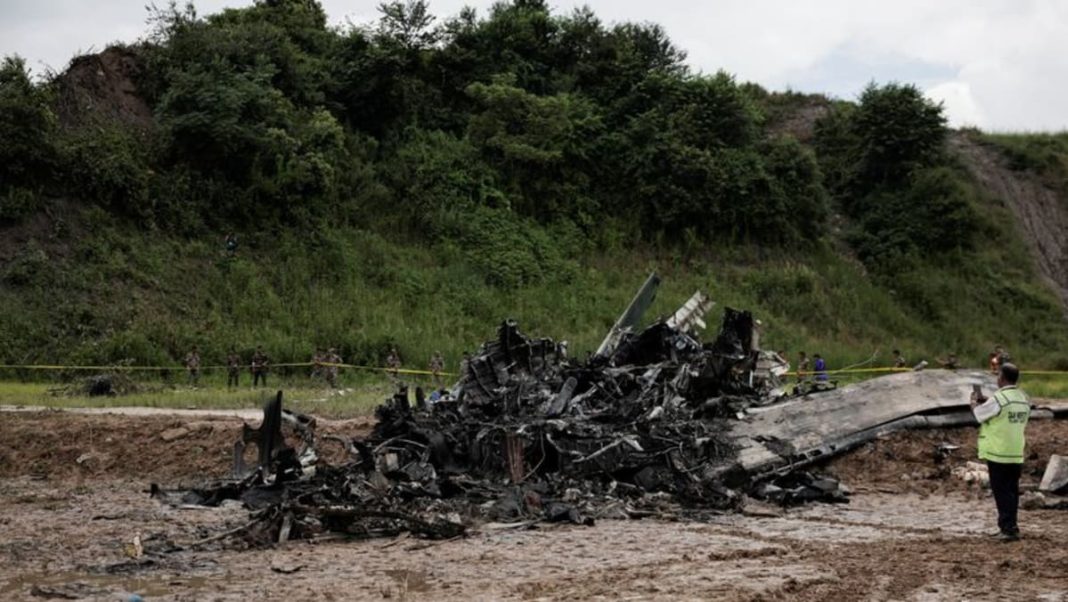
897, 130
407, 24
27, 124
540, 146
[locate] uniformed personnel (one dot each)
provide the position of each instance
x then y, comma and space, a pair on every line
437, 366
899, 360
802, 366
259, 367
233, 368
393, 362
331, 371
1002, 424
192, 365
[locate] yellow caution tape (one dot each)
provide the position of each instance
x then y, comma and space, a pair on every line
123, 367
870, 370
431, 373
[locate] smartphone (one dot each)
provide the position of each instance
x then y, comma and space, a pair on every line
978, 391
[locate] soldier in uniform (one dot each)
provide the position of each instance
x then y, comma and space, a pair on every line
393, 362
260, 365
802, 366
950, 363
317, 363
192, 365
331, 371
899, 360
437, 365
233, 368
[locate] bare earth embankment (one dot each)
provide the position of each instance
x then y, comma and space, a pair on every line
73, 492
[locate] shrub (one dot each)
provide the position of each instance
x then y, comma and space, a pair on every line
109, 165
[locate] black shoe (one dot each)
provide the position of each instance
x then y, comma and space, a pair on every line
1007, 537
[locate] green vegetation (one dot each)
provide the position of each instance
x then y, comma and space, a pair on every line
1043, 154
413, 182
356, 401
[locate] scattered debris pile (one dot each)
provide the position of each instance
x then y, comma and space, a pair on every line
641, 428
107, 384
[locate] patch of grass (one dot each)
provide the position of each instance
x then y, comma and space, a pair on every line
358, 400
124, 295
1043, 153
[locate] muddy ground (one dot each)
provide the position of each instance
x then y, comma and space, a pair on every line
911, 532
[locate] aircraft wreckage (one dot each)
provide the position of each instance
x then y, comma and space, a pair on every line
655, 423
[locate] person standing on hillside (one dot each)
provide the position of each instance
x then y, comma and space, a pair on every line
393, 362
950, 363
899, 360
331, 370
820, 367
998, 357
231, 245
437, 366
233, 369
192, 365
1002, 424
317, 363
802, 366
260, 365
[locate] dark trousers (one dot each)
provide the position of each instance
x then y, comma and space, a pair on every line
258, 377
1005, 485
231, 379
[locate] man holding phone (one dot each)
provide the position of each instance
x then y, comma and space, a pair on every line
1002, 422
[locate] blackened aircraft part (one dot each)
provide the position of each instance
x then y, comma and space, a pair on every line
563, 398
268, 438
275, 458
735, 339
528, 434
631, 316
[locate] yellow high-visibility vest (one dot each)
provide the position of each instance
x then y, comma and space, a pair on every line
1001, 439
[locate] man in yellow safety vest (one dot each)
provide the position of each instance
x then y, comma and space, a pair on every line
1002, 422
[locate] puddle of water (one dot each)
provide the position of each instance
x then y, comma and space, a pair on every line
102, 584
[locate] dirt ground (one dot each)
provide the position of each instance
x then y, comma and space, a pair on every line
911, 532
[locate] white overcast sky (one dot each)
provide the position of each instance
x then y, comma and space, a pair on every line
996, 64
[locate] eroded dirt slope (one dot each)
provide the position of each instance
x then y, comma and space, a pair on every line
1041, 214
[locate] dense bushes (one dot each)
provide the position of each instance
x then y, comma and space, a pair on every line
887, 167
523, 118
27, 124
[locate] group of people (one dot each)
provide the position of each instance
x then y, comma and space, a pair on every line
807, 368
326, 364
817, 366
258, 367
898, 361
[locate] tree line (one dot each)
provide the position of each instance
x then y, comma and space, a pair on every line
517, 132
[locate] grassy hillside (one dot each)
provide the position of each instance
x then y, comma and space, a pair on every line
110, 292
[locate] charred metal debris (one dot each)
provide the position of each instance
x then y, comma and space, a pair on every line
640, 428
